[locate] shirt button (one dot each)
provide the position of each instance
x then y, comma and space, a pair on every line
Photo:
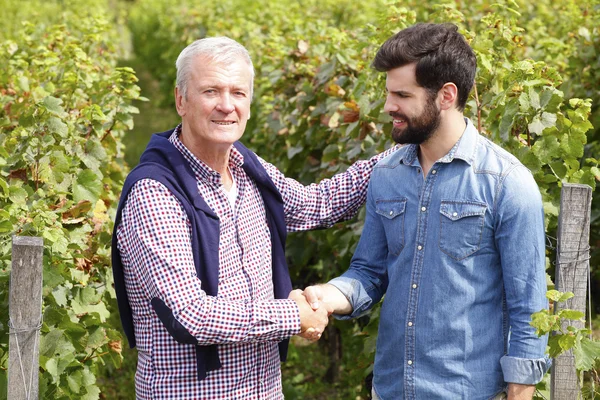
454, 214
414, 285
423, 208
410, 324
409, 362
391, 213
433, 171
420, 247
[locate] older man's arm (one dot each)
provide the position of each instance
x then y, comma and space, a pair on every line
328, 202
160, 267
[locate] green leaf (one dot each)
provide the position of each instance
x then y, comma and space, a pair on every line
548, 120
539, 123
55, 125
93, 393
485, 61
557, 296
74, 381
566, 342
293, 150
97, 339
6, 226
88, 377
50, 342
508, 119
4, 187
331, 152
587, 352
534, 98
4, 383
24, 83
551, 98
559, 169
60, 295
87, 187
53, 105
571, 314
81, 307
554, 345
17, 195
54, 315
542, 321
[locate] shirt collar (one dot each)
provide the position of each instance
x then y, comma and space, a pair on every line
203, 171
464, 149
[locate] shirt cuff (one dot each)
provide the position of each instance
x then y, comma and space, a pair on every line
356, 294
524, 371
282, 312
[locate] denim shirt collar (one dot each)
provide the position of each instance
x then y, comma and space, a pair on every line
464, 149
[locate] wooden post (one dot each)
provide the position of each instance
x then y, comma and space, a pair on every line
572, 271
25, 311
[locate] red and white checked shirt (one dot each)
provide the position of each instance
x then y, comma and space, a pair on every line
244, 319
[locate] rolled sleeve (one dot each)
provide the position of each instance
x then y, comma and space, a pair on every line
520, 239
523, 370
356, 294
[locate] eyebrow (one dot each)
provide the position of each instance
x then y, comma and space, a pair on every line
399, 92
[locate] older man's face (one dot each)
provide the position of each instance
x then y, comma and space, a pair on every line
217, 105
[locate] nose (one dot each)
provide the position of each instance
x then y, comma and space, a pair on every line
389, 105
225, 104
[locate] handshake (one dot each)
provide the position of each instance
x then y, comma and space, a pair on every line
316, 304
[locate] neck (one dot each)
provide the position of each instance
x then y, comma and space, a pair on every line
214, 156
448, 133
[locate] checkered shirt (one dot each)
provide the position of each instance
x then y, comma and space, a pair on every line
244, 319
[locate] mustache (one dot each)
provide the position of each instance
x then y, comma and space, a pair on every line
398, 116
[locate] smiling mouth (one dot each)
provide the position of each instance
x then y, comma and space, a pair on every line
224, 122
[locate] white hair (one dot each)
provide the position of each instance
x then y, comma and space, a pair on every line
219, 49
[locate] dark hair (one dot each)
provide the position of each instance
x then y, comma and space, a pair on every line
441, 55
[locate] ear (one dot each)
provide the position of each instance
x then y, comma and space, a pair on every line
179, 102
448, 96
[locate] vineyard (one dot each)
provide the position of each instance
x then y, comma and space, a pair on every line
84, 84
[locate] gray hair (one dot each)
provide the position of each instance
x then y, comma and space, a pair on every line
219, 49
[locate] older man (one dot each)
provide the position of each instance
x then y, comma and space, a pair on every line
198, 249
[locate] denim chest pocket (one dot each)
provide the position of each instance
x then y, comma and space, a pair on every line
392, 217
461, 228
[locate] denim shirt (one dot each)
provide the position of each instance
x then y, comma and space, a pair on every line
459, 255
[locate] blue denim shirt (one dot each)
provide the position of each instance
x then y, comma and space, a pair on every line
459, 256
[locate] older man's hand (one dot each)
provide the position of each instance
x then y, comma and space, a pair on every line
312, 322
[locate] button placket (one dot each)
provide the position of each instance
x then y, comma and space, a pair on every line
410, 338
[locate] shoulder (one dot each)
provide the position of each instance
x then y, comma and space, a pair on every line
148, 191
492, 158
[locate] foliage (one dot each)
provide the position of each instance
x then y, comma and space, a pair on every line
64, 108
564, 336
318, 104
317, 107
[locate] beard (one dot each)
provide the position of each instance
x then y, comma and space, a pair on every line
420, 128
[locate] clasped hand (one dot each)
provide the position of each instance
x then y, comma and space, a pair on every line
314, 313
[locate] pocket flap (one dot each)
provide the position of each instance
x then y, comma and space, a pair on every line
390, 208
456, 210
